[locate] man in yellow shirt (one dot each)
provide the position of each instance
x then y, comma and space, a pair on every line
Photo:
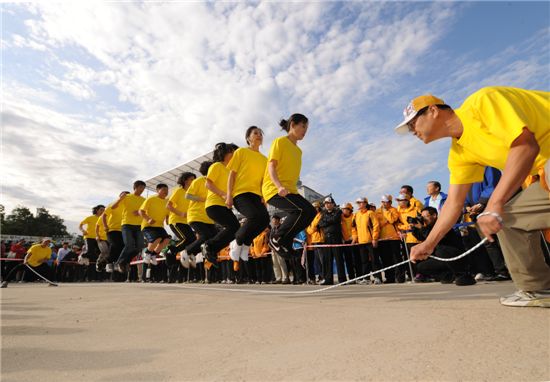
131, 225
112, 223
154, 212
92, 246
37, 257
509, 129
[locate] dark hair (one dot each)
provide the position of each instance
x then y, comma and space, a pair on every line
436, 184
276, 217
249, 132
294, 118
222, 149
161, 185
431, 210
408, 188
440, 107
138, 183
203, 169
97, 208
183, 178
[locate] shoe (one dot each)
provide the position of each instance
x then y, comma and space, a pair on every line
184, 259
286, 282
4, 284
325, 283
483, 277
447, 278
209, 256
100, 266
235, 266
229, 281
530, 299
377, 281
464, 279
501, 277
274, 244
121, 268
154, 259
109, 268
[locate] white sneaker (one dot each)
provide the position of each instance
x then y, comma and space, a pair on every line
109, 268
154, 260
184, 259
229, 281
531, 299
146, 258
245, 251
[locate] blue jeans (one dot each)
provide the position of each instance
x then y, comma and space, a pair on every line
133, 243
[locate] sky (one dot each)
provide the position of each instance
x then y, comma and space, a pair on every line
97, 95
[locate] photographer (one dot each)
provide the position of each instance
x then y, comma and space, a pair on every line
449, 246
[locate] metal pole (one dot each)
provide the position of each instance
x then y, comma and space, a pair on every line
408, 258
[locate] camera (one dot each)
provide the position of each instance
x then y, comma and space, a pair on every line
415, 220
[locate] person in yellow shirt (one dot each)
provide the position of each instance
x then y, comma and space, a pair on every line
216, 209
102, 244
315, 237
178, 206
37, 257
89, 234
351, 254
130, 225
408, 190
406, 211
112, 223
509, 129
388, 247
366, 232
280, 184
154, 212
244, 189
196, 213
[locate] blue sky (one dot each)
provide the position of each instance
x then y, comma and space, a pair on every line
96, 95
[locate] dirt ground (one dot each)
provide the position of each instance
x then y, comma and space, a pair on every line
189, 332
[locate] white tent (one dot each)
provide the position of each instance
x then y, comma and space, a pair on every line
170, 177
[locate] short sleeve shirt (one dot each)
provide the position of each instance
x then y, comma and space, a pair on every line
289, 163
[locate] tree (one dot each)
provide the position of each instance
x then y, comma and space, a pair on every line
21, 221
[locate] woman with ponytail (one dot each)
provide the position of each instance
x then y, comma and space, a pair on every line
279, 186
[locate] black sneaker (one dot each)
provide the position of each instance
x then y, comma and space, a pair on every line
464, 279
274, 244
501, 277
4, 284
211, 257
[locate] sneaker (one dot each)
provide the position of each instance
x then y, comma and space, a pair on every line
121, 268
274, 244
464, 279
229, 281
147, 258
209, 256
184, 259
4, 284
154, 259
286, 281
501, 277
109, 268
447, 278
377, 281
235, 266
531, 299
483, 277
99, 266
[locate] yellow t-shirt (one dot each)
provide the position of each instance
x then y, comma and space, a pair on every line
155, 208
249, 166
217, 174
196, 211
493, 118
38, 255
289, 163
90, 223
180, 203
130, 204
114, 218
102, 233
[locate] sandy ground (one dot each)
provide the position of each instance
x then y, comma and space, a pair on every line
168, 332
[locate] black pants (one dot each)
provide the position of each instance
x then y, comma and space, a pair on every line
436, 268
225, 218
311, 264
92, 253
365, 251
204, 232
299, 213
389, 255
329, 255
347, 252
116, 244
43, 269
185, 235
257, 218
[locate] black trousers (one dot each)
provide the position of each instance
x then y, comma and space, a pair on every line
389, 255
257, 218
185, 235
116, 244
92, 253
43, 269
224, 217
329, 255
347, 252
435, 268
204, 232
299, 213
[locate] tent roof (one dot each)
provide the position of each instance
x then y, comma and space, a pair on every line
170, 177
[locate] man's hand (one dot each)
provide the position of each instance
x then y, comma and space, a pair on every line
421, 252
151, 221
282, 191
490, 221
229, 201
375, 243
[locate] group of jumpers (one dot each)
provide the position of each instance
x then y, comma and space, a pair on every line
501, 127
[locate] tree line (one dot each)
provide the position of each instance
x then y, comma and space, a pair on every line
22, 221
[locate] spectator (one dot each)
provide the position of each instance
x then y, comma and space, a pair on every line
406, 211
331, 225
388, 247
279, 264
89, 235
366, 232
435, 197
316, 236
112, 222
408, 190
351, 255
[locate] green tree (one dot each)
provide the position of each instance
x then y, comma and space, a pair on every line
21, 221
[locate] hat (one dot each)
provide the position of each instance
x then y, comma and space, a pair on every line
386, 198
414, 107
402, 197
329, 199
362, 200
316, 204
348, 206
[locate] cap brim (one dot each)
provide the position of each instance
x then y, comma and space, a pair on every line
402, 128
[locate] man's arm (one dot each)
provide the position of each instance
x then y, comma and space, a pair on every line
449, 214
520, 160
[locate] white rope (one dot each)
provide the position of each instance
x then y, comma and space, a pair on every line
39, 275
336, 285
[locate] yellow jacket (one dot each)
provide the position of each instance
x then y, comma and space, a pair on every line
388, 219
316, 234
404, 226
347, 227
259, 246
366, 227
416, 203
